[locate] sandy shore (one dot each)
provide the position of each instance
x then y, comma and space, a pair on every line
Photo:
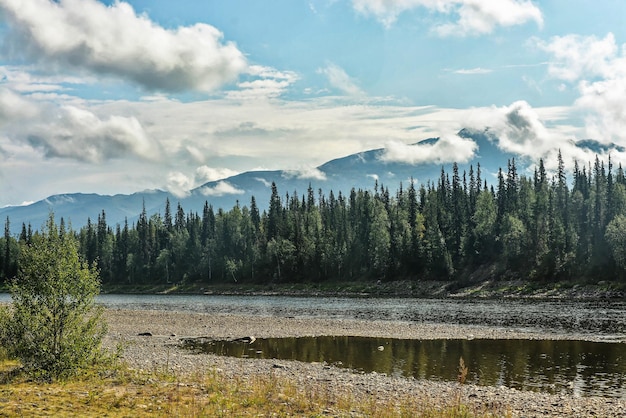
161, 351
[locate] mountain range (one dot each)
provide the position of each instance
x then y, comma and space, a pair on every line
360, 170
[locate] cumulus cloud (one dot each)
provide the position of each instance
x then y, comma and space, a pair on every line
449, 148
71, 132
605, 102
597, 67
518, 128
222, 188
577, 56
113, 40
81, 135
475, 17
521, 130
339, 79
15, 108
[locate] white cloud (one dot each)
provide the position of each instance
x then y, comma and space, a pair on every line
577, 57
312, 173
27, 80
605, 102
449, 148
339, 79
475, 17
263, 181
179, 184
222, 188
205, 174
209, 134
478, 17
473, 71
598, 69
86, 35
71, 132
264, 83
14, 108
294, 134
521, 129
81, 135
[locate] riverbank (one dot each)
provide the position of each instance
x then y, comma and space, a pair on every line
488, 289
161, 351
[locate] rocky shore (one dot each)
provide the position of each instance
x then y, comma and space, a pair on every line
159, 349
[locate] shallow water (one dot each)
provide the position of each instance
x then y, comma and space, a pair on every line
604, 319
578, 368
596, 318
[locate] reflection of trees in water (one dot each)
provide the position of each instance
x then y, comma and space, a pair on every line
575, 367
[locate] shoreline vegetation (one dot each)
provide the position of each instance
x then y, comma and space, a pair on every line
604, 290
488, 289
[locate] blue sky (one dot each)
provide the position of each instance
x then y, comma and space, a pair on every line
116, 97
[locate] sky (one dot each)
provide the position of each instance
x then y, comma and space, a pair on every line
122, 96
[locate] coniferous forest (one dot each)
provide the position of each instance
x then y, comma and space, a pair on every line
541, 228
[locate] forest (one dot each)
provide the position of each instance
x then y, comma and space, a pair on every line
543, 228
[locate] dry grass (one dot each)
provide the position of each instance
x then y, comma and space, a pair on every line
119, 391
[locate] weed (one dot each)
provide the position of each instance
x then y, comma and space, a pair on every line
463, 370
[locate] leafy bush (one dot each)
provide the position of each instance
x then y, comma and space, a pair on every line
53, 326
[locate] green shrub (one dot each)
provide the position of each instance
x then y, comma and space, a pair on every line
53, 326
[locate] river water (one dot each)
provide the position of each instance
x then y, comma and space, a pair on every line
606, 320
601, 319
579, 368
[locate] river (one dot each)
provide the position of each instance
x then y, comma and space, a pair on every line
599, 319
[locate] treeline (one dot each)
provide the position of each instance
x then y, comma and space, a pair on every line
458, 227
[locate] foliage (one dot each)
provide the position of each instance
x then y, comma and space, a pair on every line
541, 227
52, 325
616, 238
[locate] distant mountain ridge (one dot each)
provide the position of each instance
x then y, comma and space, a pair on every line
359, 170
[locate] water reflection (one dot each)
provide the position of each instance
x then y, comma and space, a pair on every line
578, 368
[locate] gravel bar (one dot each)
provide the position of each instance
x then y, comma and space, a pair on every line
161, 350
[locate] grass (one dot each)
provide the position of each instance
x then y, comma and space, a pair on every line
119, 391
